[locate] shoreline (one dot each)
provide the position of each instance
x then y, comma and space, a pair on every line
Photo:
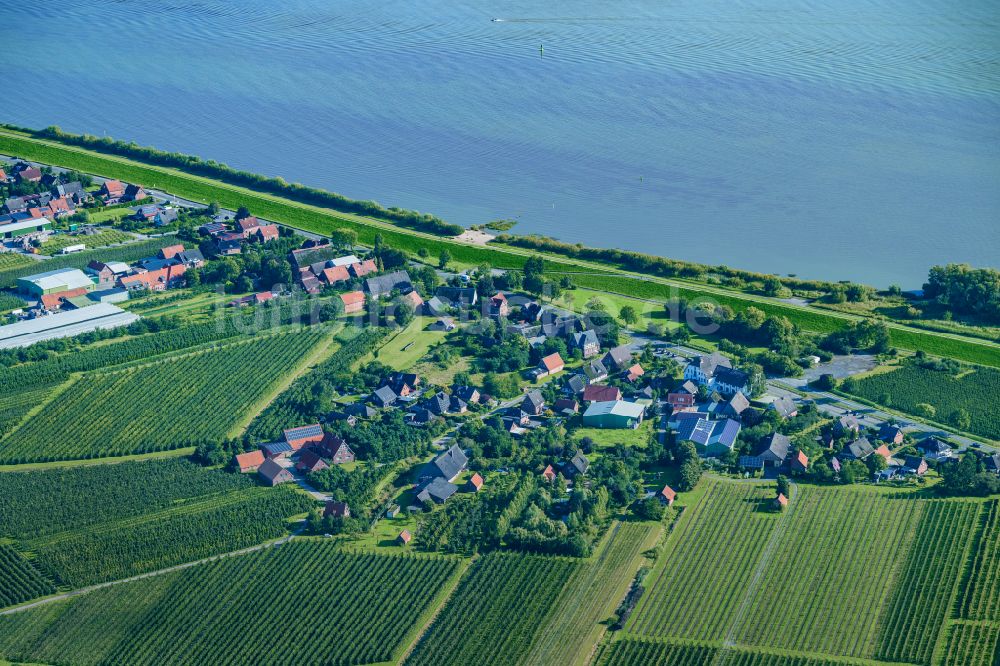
322, 220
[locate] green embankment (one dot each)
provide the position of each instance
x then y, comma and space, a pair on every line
321, 220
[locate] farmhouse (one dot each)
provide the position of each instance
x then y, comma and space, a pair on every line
436, 490
303, 435
613, 414
380, 286
859, 449
277, 450
533, 403
451, 463
273, 473
249, 462
336, 510
891, 433
309, 461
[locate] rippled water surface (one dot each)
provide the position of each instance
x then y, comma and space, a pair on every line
858, 139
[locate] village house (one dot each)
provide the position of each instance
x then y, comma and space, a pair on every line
618, 359
134, 193
576, 384
859, 449
155, 280
310, 461
383, 285
595, 371
891, 433
783, 407
800, 463
772, 453
436, 490
475, 483
711, 438
716, 372
442, 324
634, 373
846, 424
587, 342
566, 406
915, 465
533, 403
667, 495
273, 474
451, 463
384, 396
456, 297
735, 406
549, 474
468, 394
550, 365
28, 174
497, 307
577, 466
601, 393
354, 301
935, 449
336, 509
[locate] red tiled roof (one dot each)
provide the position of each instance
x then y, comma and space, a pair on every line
549, 473
413, 298
171, 251
802, 459
52, 301
267, 232
781, 499
476, 481
248, 223
553, 362
635, 372
247, 461
405, 536
353, 297
884, 451
114, 187
151, 279
668, 493
601, 393
335, 274
363, 268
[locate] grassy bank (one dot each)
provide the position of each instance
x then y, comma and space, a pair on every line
588, 274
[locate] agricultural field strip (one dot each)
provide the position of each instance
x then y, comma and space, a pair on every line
195, 505
692, 595
631, 650
972, 644
19, 579
372, 601
197, 187
238, 383
762, 564
818, 622
591, 595
496, 612
980, 595
913, 623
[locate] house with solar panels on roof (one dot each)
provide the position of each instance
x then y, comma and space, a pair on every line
711, 438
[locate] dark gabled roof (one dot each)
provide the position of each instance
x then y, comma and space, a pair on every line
438, 488
775, 449
451, 463
580, 463
619, 356
688, 387
576, 383
913, 462
270, 469
859, 448
848, 422
595, 368
711, 363
385, 395
933, 445
535, 400
888, 431
438, 403
585, 338
360, 409
383, 284
467, 393
992, 462
696, 430
784, 406
191, 256
457, 295
731, 376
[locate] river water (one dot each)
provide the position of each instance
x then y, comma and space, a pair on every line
857, 139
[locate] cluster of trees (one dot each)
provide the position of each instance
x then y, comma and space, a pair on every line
968, 476
357, 488
868, 335
273, 185
962, 289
